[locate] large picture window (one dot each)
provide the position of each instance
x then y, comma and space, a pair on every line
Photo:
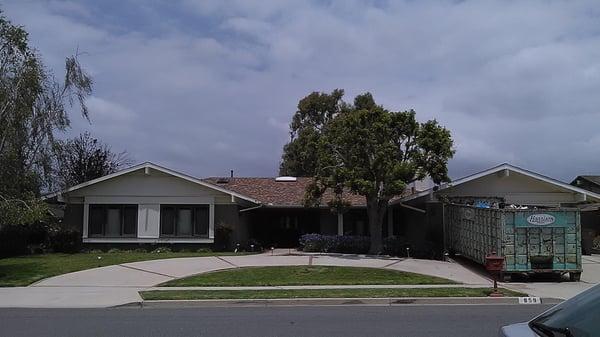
184, 220
112, 220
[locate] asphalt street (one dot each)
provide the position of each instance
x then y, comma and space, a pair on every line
346, 321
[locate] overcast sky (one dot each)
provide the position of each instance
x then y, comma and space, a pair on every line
207, 86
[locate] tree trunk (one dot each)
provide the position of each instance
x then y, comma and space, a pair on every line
375, 215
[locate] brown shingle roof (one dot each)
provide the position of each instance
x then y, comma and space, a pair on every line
278, 193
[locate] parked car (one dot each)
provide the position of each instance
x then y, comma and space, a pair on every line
576, 317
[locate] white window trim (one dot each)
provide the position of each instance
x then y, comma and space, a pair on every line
210, 201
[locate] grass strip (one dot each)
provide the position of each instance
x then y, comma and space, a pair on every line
304, 275
320, 293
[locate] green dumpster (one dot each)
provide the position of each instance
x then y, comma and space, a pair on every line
530, 240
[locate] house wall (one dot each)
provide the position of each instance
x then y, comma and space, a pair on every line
73, 217
515, 188
590, 228
328, 222
228, 217
149, 192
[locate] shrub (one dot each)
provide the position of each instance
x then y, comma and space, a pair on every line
312, 243
13, 240
65, 241
334, 243
352, 244
203, 250
223, 237
162, 250
114, 250
38, 233
395, 246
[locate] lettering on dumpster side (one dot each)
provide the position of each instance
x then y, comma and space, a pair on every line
541, 219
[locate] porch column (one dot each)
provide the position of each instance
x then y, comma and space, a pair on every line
211, 221
340, 223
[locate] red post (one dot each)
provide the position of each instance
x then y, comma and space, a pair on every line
494, 265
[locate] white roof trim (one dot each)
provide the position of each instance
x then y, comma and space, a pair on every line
157, 168
499, 168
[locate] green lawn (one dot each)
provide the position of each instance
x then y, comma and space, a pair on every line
24, 270
319, 293
304, 275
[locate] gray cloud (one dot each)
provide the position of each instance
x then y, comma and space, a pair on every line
208, 86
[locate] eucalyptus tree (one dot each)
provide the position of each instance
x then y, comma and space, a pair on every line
34, 109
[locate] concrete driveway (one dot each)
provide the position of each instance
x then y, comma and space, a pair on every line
563, 289
119, 284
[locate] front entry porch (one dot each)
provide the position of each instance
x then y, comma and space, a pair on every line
282, 227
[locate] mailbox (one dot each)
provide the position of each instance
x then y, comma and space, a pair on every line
494, 263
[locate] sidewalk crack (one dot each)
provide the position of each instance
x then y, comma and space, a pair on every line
393, 263
229, 263
147, 271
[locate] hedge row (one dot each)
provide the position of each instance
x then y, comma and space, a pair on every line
334, 243
37, 238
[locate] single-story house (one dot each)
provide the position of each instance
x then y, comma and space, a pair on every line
150, 204
500, 186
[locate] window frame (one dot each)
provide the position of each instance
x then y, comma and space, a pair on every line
105, 208
176, 208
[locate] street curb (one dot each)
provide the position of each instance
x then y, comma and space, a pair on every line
396, 301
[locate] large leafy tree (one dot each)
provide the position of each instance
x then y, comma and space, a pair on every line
314, 112
85, 158
33, 109
375, 152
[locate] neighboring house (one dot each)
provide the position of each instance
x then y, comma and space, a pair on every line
590, 217
590, 183
503, 185
148, 203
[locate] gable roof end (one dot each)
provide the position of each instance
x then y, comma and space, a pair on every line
510, 167
157, 168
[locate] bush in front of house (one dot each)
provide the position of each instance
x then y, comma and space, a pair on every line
65, 241
352, 244
162, 249
397, 246
13, 240
24, 239
223, 233
334, 244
